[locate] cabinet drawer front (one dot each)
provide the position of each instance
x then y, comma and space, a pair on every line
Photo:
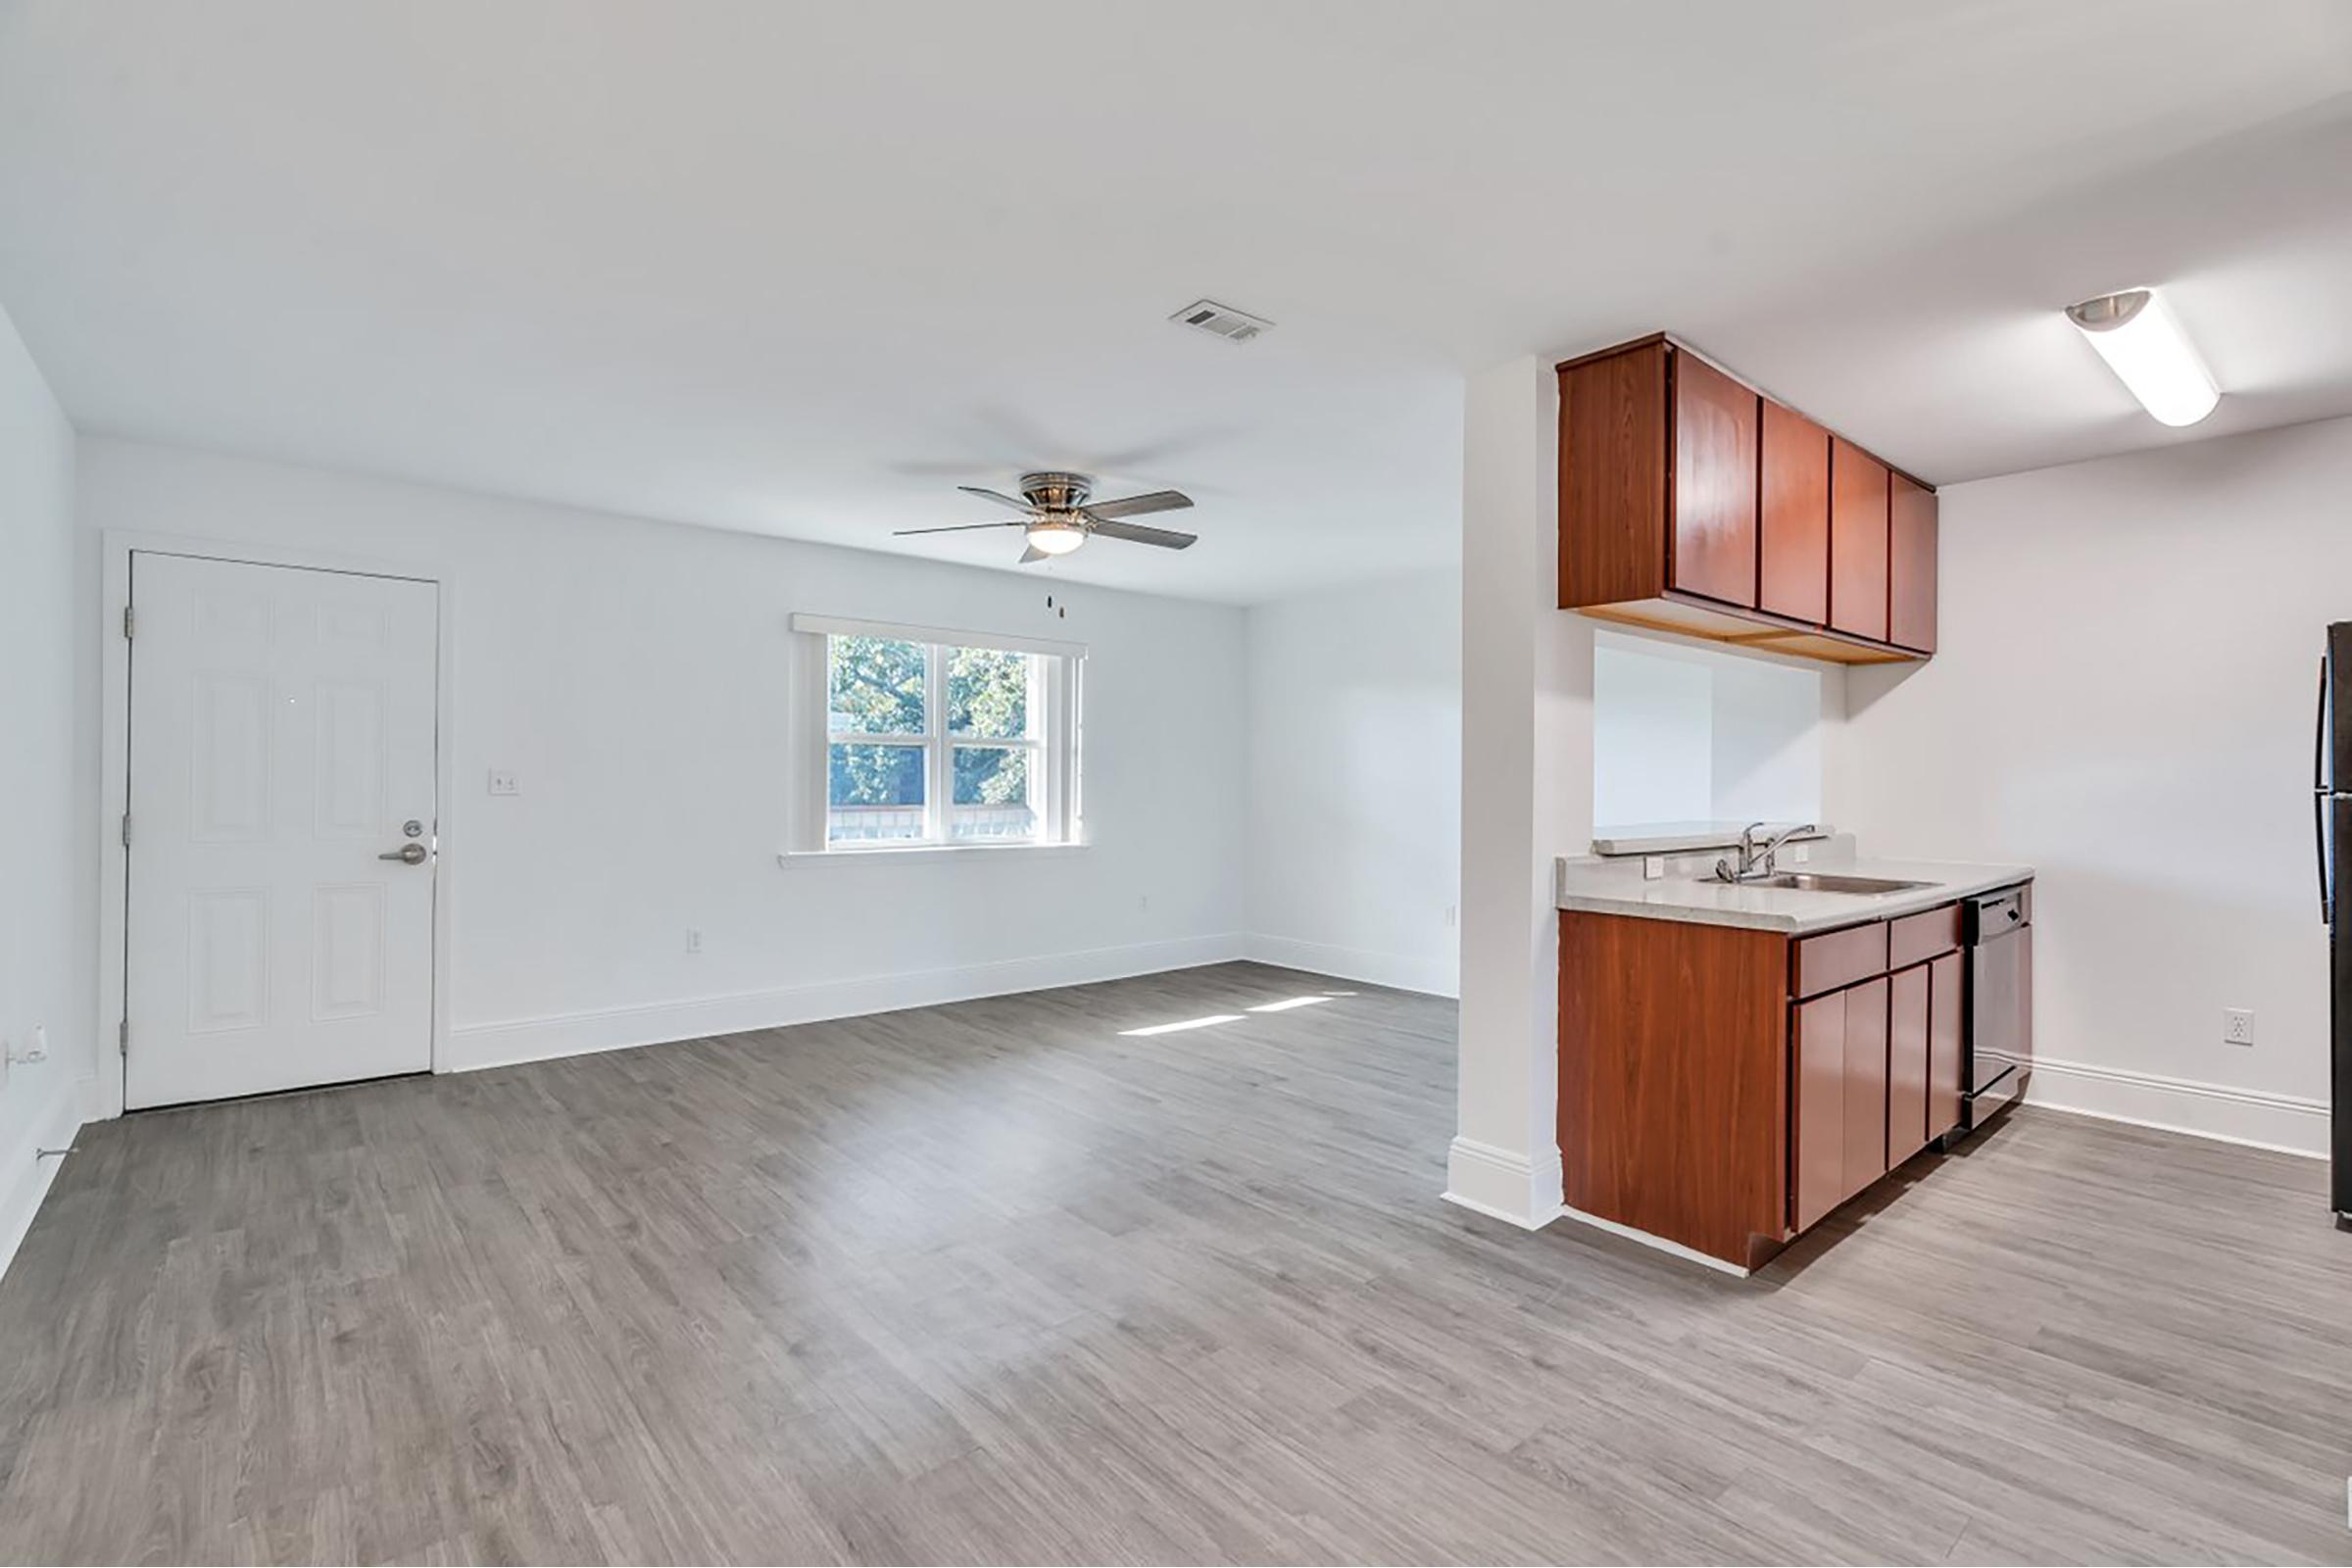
1917, 937
1837, 958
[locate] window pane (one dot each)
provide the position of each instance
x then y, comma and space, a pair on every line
874, 686
988, 693
992, 794
875, 793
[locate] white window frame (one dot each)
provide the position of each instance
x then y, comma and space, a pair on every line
1055, 682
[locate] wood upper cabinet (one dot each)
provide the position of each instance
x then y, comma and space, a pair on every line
1691, 503
1858, 499
1712, 549
1793, 516
1911, 565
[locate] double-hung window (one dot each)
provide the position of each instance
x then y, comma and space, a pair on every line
937, 739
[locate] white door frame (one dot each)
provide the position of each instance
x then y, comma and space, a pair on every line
113, 761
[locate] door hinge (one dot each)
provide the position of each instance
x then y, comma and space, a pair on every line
129, 622
126, 830
122, 1039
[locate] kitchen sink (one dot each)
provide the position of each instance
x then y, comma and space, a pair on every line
1831, 882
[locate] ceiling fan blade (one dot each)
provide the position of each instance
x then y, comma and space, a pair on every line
1032, 554
962, 527
1137, 533
995, 495
1139, 506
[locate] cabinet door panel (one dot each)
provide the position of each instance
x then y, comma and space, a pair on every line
1819, 1041
1911, 565
1908, 1022
1865, 1084
1794, 517
1944, 1045
1613, 440
1714, 541
1858, 497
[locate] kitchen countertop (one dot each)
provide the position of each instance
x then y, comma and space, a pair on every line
1605, 887
1674, 838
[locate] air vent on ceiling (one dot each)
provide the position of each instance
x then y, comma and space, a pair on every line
1234, 326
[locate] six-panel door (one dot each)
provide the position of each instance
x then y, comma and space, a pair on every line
282, 734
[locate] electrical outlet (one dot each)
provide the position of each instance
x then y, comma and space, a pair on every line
504, 783
1653, 867
1143, 904
693, 939
2237, 1025
1800, 852
1454, 915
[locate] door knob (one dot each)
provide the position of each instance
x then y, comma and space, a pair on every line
406, 854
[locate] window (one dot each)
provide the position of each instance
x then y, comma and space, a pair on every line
942, 739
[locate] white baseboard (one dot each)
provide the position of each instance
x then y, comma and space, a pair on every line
1691, 1254
23, 1179
2289, 1123
1502, 1183
473, 1047
1437, 977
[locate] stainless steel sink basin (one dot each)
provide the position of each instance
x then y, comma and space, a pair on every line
1830, 882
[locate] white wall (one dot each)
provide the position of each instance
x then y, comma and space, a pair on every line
1685, 732
48, 929
2123, 695
633, 674
1354, 785
1653, 734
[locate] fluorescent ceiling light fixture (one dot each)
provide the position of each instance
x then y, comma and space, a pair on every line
1286, 1004
2149, 354
1055, 538
1189, 1023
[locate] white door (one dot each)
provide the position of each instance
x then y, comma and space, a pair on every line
283, 834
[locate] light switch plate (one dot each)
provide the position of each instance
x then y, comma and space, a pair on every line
504, 783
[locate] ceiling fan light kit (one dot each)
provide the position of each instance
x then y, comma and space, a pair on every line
1050, 538
1060, 519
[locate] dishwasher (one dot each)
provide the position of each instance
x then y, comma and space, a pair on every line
1997, 1002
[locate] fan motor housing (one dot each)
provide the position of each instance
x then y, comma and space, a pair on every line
1051, 490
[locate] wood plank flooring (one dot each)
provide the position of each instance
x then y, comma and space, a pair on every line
995, 1282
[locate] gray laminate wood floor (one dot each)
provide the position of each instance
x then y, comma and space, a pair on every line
995, 1282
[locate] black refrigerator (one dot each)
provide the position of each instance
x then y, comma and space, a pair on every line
2331, 808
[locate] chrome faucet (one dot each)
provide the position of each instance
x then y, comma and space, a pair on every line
1757, 862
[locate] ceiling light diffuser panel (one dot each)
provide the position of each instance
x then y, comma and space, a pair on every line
2145, 348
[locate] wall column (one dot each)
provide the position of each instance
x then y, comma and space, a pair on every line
1527, 794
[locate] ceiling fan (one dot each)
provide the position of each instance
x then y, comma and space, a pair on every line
1060, 519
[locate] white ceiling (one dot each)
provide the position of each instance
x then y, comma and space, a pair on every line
800, 269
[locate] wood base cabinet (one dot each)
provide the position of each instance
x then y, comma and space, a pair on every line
1726, 1089
1693, 503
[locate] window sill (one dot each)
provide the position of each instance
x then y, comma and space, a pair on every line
919, 853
